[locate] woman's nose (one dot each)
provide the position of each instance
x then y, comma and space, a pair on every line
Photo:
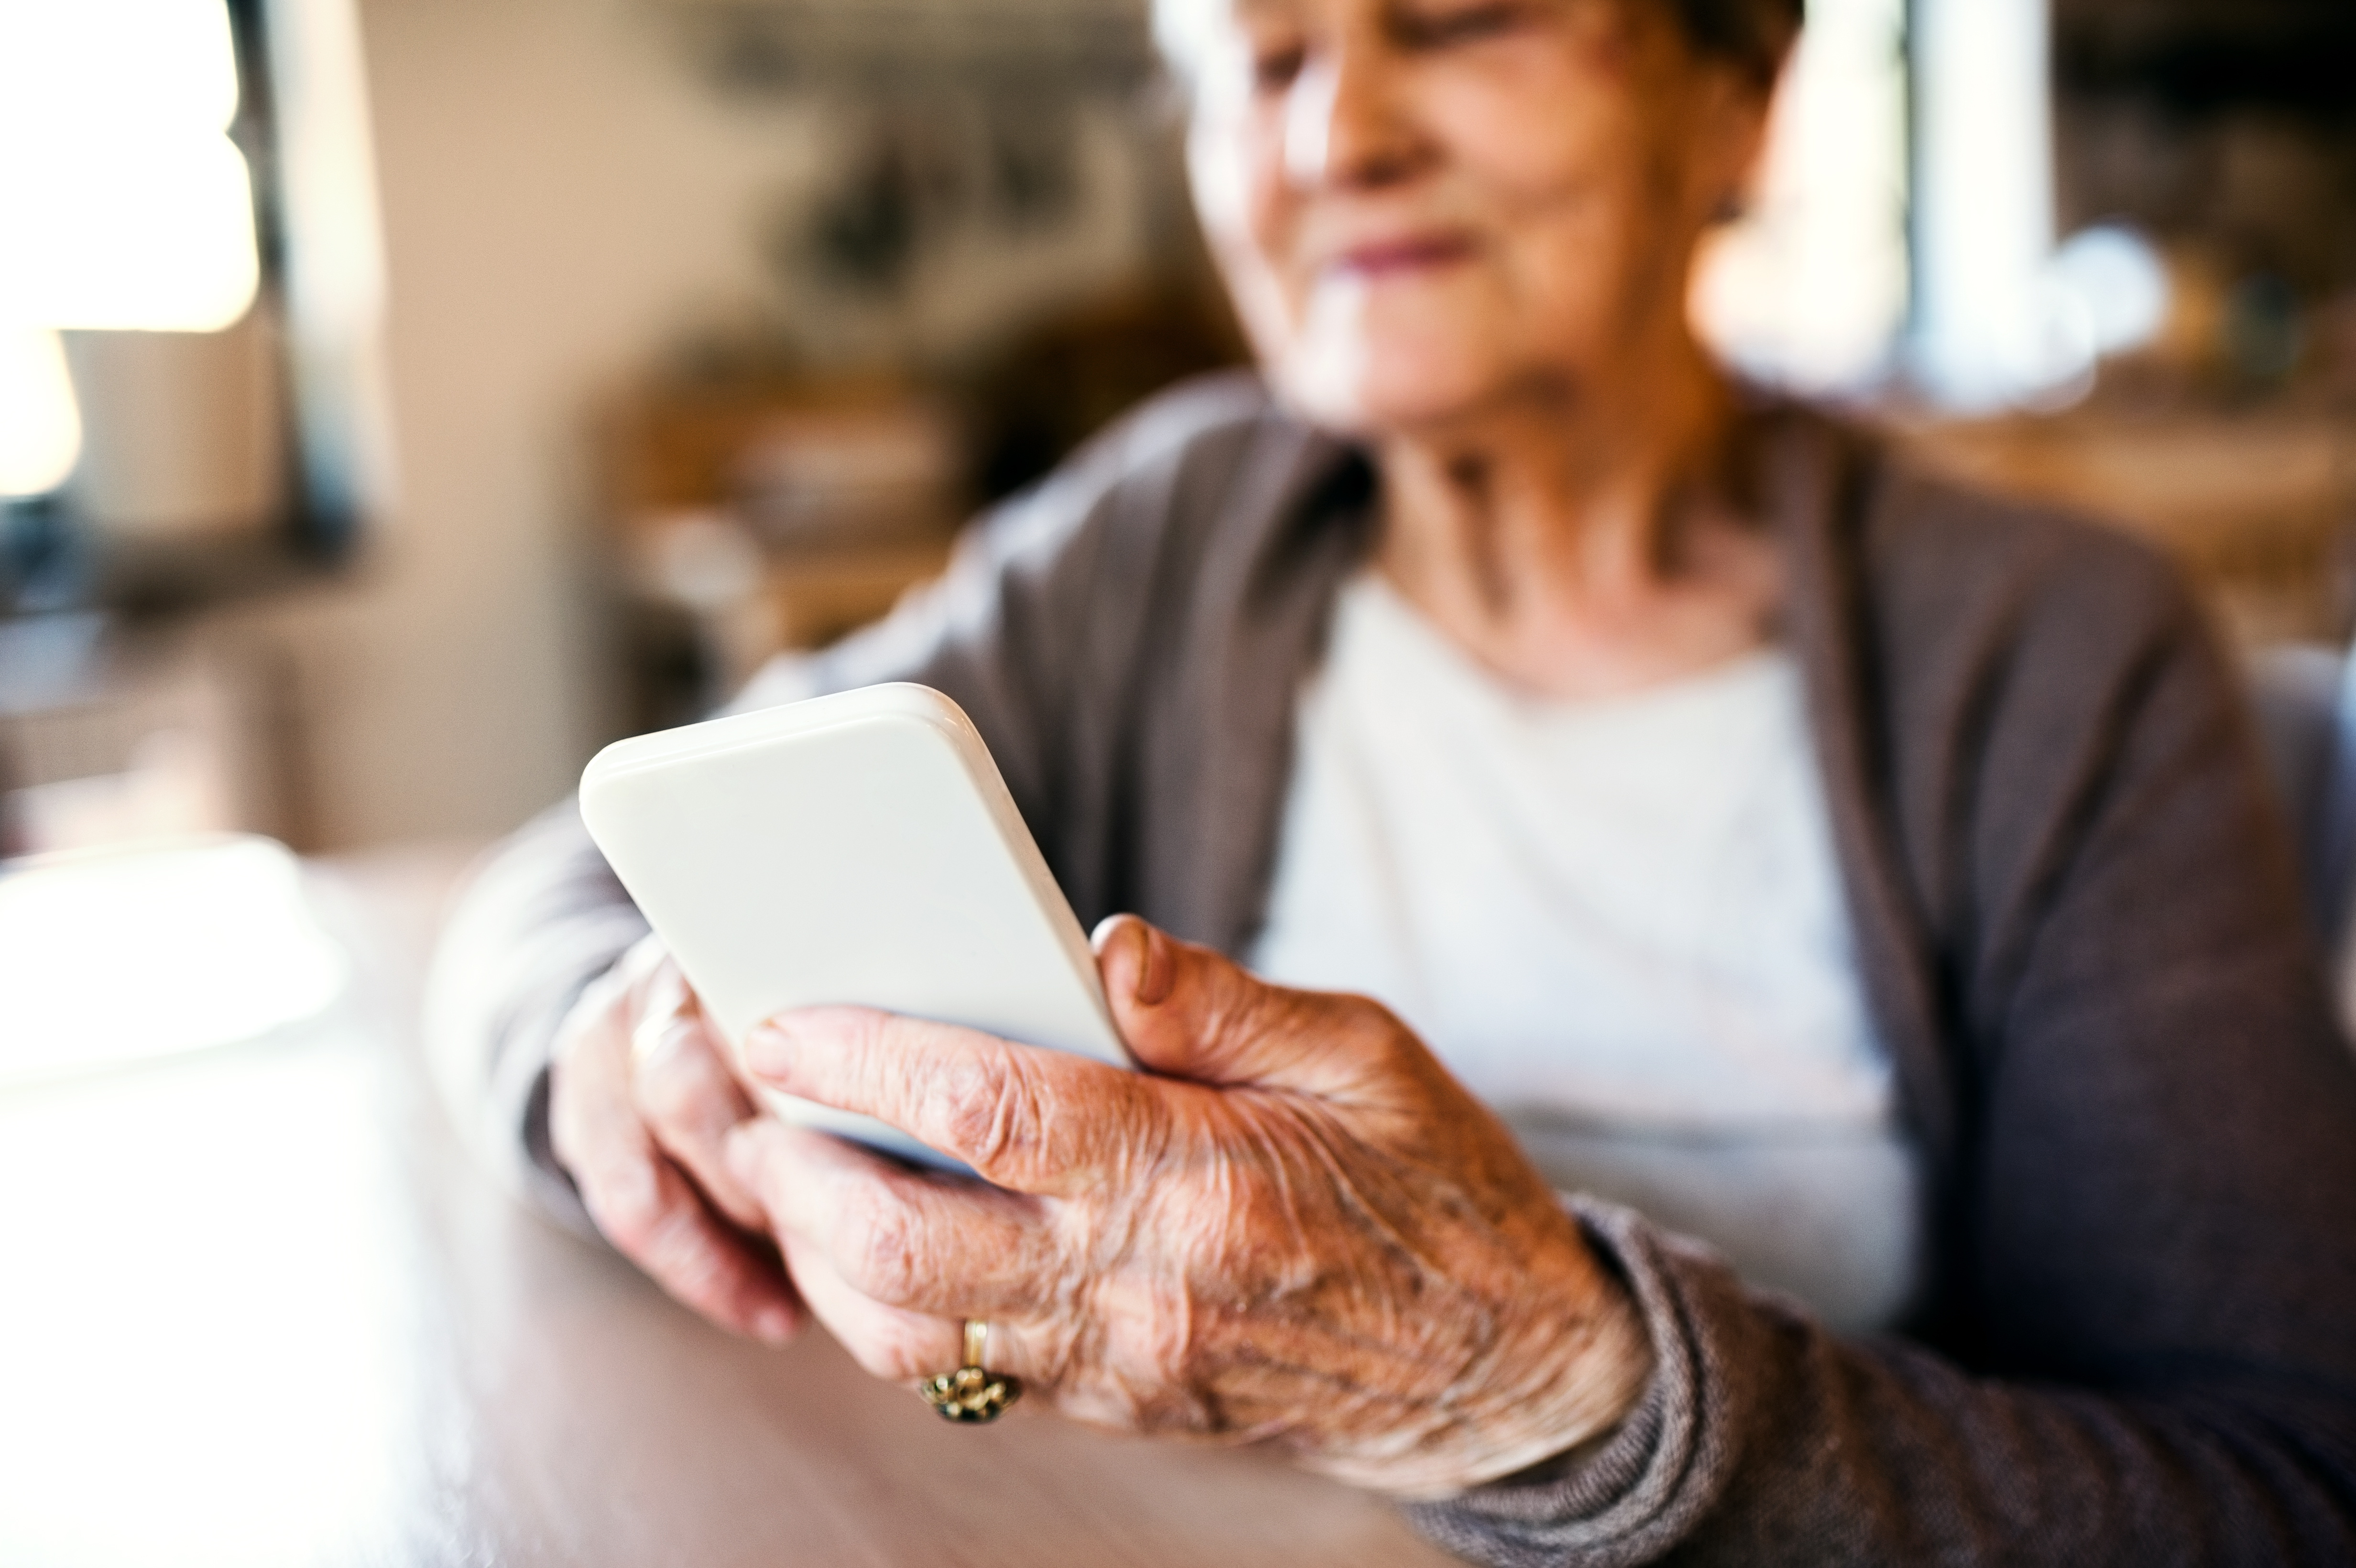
1347, 123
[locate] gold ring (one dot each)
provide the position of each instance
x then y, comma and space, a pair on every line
969, 1393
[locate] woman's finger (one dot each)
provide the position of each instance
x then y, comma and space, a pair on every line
895, 1344
644, 1205
656, 1219
889, 1342
924, 1243
1188, 1011
689, 1101
1030, 1119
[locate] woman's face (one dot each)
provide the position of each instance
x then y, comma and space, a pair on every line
1427, 208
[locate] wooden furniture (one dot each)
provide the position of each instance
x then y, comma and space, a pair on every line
2259, 508
757, 513
257, 1309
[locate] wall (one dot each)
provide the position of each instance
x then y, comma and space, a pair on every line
554, 201
562, 200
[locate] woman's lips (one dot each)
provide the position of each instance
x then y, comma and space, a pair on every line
1387, 258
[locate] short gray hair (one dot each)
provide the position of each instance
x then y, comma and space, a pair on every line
1751, 33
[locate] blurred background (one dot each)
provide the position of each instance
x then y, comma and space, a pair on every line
400, 397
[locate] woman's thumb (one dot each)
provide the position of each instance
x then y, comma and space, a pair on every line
1187, 1012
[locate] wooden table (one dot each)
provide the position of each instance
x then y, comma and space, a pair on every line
257, 1309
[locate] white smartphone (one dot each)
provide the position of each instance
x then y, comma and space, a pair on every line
856, 849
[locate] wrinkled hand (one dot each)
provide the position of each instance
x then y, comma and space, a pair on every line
641, 1107
1297, 1228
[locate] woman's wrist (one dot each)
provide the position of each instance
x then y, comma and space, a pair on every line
1604, 1361
1573, 1360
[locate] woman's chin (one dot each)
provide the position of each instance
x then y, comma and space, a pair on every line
1371, 394
1429, 348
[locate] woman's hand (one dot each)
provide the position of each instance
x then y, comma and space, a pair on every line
641, 1107
1297, 1228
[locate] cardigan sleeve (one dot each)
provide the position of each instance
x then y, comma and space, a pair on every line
2148, 1271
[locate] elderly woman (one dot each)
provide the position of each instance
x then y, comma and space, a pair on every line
1752, 838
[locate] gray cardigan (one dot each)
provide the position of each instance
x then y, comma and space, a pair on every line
2076, 921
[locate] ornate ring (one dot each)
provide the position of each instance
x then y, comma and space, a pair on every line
969, 1393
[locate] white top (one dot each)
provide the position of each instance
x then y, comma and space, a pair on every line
1620, 923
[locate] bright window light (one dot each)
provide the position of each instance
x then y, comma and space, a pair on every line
111, 956
2117, 279
1991, 330
1809, 290
41, 431
125, 205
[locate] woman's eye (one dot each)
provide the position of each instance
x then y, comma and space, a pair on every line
1461, 24
1274, 68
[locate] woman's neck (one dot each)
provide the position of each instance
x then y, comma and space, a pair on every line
1580, 545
